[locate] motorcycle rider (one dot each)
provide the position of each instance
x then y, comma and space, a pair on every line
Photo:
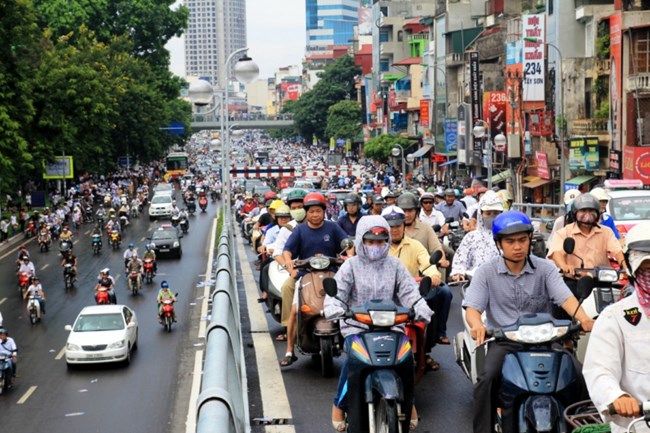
8, 348
567, 218
378, 203
605, 218
26, 266
128, 255
66, 235
478, 246
505, 287
349, 221
333, 208
429, 214
36, 289
71, 259
391, 197
592, 242
622, 333
450, 207
415, 258
371, 274
163, 294
175, 210
316, 237
106, 281
151, 254
22, 253
135, 266
97, 230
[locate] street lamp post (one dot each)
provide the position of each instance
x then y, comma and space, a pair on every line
399, 151
563, 123
479, 132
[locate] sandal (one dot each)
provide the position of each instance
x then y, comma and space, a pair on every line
339, 425
443, 340
432, 364
288, 359
413, 424
281, 337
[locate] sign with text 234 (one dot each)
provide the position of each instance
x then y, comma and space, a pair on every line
533, 57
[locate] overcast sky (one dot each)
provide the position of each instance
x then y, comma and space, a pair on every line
276, 36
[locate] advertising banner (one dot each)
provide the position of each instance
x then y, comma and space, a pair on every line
615, 161
636, 164
592, 161
424, 113
462, 144
494, 113
577, 153
533, 54
542, 165
475, 86
451, 135
61, 168
513, 90
615, 78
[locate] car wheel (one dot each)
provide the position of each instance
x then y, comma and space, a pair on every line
127, 360
135, 342
180, 253
152, 218
70, 366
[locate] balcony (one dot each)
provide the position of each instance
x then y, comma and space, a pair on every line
418, 37
639, 83
586, 9
589, 127
602, 66
454, 59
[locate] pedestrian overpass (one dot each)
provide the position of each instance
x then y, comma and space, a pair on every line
242, 124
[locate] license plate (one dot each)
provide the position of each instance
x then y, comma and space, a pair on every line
164, 250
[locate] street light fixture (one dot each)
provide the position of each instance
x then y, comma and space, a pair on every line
399, 151
479, 132
560, 127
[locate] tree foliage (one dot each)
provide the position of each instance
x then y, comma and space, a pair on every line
344, 120
379, 148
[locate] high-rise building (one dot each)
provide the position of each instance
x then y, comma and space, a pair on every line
329, 23
216, 28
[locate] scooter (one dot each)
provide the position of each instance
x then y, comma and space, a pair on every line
65, 245
102, 297
24, 279
135, 212
317, 336
89, 216
67, 276
34, 309
124, 221
538, 380
147, 264
114, 238
30, 229
167, 314
184, 224
380, 366
203, 203
5, 373
175, 220
277, 275
134, 282
191, 206
96, 243
44, 240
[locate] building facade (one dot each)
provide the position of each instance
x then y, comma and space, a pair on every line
330, 23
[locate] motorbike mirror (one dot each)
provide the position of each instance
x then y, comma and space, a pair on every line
436, 228
425, 286
449, 220
569, 245
346, 244
329, 284
435, 257
585, 286
549, 225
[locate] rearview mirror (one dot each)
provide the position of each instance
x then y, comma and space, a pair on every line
425, 286
436, 228
329, 284
584, 287
549, 225
346, 244
435, 257
569, 245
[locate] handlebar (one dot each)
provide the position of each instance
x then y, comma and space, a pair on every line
644, 409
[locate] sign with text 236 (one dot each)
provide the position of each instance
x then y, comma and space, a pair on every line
533, 57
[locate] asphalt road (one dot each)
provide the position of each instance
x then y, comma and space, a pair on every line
443, 398
150, 395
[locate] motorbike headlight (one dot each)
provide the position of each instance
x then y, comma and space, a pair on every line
607, 275
117, 344
319, 262
72, 347
532, 334
177, 244
383, 318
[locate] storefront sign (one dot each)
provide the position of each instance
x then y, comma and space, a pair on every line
592, 161
475, 86
494, 112
636, 164
615, 78
542, 165
577, 153
424, 113
451, 135
615, 161
533, 54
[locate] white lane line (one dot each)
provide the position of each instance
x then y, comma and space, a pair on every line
76, 241
142, 239
87, 232
274, 395
2, 301
13, 250
117, 277
25, 396
190, 423
44, 266
59, 355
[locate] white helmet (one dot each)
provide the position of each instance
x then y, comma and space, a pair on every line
637, 245
600, 194
491, 201
571, 195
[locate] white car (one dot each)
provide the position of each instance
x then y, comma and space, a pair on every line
163, 189
160, 206
628, 208
102, 333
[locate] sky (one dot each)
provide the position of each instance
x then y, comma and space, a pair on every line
276, 36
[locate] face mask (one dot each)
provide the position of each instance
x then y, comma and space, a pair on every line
376, 252
587, 218
333, 201
487, 222
298, 214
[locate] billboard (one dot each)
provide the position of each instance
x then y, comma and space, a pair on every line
424, 113
494, 112
475, 86
636, 164
533, 57
61, 168
615, 78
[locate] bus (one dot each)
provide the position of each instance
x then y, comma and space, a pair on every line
176, 164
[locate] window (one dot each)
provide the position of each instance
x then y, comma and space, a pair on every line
384, 36
642, 54
383, 65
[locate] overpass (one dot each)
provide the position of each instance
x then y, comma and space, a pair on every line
242, 124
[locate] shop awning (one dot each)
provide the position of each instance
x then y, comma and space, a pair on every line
534, 183
577, 181
507, 174
444, 164
421, 151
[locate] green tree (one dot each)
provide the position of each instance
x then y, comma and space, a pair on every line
344, 120
378, 148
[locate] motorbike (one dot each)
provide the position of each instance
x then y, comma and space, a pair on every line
96, 243
277, 275
134, 282
191, 206
55, 231
455, 234
114, 238
175, 220
30, 229
214, 195
184, 224
89, 216
147, 264
24, 280
44, 240
317, 336
203, 203
34, 309
135, 212
167, 314
380, 366
5, 373
124, 221
102, 296
65, 245
538, 380
68, 278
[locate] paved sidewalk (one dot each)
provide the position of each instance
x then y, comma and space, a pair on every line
14, 242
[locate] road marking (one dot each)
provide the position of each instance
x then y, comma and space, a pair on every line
25, 396
44, 266
87, 232
13, 250
274, 395
117, 277
197, 376
76, 241
59, 355
2, 301
142, 239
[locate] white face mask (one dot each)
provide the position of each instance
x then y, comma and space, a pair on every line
298, 214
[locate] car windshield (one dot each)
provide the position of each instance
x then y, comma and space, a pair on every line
99, 322
630, 208
163, 235
161, 199
163, 187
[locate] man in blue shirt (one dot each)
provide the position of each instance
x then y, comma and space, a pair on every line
316, 237
450, 207
349, 221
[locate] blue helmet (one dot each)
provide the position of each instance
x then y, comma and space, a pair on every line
511, 222
164, 285
131, 245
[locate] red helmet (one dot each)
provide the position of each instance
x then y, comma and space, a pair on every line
315, 199
270, 196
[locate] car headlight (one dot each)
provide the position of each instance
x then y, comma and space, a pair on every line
607, 275
117, 344
532, 334
177, 244
73, 347
319, 262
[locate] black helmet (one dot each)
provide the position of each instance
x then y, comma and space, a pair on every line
585, 201
408, 201
393, 193
352, 198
